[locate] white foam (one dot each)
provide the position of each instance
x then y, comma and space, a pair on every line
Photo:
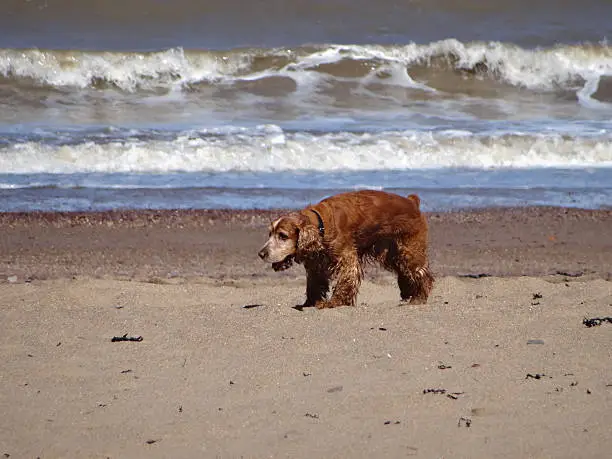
269, 149
541, 69
585, 95
535, 69
12, 186
128, 71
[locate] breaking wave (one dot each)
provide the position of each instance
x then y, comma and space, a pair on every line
270, 149
566, 67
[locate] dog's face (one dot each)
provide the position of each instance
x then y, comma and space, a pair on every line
282, 244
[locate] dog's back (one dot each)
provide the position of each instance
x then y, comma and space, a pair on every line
369, 214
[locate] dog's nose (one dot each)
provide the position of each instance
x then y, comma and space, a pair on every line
263, 253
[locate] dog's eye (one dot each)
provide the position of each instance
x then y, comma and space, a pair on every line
283, 236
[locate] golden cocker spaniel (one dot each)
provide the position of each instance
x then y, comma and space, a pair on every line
334, 238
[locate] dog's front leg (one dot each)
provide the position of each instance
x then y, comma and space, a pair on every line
317, 283
349, 274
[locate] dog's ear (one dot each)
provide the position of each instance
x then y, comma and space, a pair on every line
309, 242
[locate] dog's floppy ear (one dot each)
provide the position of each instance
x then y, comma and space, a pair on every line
309, 242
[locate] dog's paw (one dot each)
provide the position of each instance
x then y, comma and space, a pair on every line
414, 300
329, 304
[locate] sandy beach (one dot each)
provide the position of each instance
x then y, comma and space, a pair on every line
497, 364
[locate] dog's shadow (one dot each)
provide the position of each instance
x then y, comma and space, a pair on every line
300, 307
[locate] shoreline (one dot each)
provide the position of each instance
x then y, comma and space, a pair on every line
126, 215
136, 244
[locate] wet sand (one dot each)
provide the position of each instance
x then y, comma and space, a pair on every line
498, 364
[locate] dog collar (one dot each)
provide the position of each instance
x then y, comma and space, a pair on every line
321, 226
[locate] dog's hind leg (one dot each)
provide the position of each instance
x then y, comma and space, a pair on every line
414, 278
416, 285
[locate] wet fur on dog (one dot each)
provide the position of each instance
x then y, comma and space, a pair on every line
334, 238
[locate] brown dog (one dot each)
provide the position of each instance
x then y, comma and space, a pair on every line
334, 238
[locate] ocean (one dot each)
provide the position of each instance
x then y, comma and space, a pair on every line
186, 104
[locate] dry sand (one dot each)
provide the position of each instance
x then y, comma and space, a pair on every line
523, 377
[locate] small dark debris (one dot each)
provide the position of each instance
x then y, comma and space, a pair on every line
150, 442
58, 344
568, 374
312, 415
387, 423
537, 296
6, 455
454, 395
535, 341
588, 391
467, 422
231, 383
331, 390
434, 391
30, 355
102, 405
444, 367
126, 338
475, 365
306, 374
382, 328
126, 371
596, 321
180, 408
570, 274
251, 306
475, 276
535, 376
574, 384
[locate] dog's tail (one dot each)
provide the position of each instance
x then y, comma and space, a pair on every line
414, 198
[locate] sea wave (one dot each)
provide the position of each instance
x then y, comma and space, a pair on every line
271, 149
566, 67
